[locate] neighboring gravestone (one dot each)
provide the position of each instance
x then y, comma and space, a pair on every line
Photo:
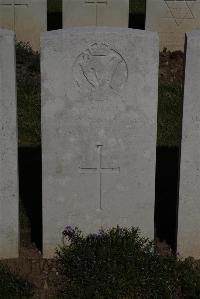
9, 233
171, 19
189, 202
26, 17
99, 110
77, 13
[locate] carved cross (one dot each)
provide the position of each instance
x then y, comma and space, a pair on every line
99, 170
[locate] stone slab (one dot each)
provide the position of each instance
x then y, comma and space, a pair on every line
171, 19
99, 110
189, 203
28, 18
9, 216
77, 13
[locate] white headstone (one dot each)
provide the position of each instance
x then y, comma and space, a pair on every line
28, 18
9, 232
189, 201
77, 13
171, 19
99, 110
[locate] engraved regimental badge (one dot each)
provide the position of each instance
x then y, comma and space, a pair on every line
100, 72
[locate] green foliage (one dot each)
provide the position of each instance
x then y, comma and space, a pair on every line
137, 6
27, 57
120, 264
169, 114
54, 6
12, 286
28, 95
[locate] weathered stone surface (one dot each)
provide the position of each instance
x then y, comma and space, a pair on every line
9, 234
99, 110
79, 13
189, 203
28, 18
171, 19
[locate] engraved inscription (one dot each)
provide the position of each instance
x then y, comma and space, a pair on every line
100, 71
99, 170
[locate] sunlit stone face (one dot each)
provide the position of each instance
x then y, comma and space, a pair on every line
99, 110
172, 19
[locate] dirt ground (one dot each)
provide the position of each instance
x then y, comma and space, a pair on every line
171, 67
42, 272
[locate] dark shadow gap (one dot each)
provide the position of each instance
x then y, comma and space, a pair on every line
54, 21
166, 201
30, 190
137, 14
137, 21
54, 14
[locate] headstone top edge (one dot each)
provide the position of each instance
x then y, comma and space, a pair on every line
115, 30
194, 33
6, 32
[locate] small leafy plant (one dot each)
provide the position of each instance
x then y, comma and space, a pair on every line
28, 96
137, 6
119, 263
13, 286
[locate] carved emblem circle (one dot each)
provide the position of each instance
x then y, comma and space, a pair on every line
100, 71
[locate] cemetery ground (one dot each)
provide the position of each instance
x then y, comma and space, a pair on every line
43, 274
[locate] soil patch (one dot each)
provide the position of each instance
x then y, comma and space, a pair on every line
171, 67
42, 273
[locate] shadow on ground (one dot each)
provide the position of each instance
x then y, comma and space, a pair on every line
30, 188
166, 204
137, 21
54, 21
